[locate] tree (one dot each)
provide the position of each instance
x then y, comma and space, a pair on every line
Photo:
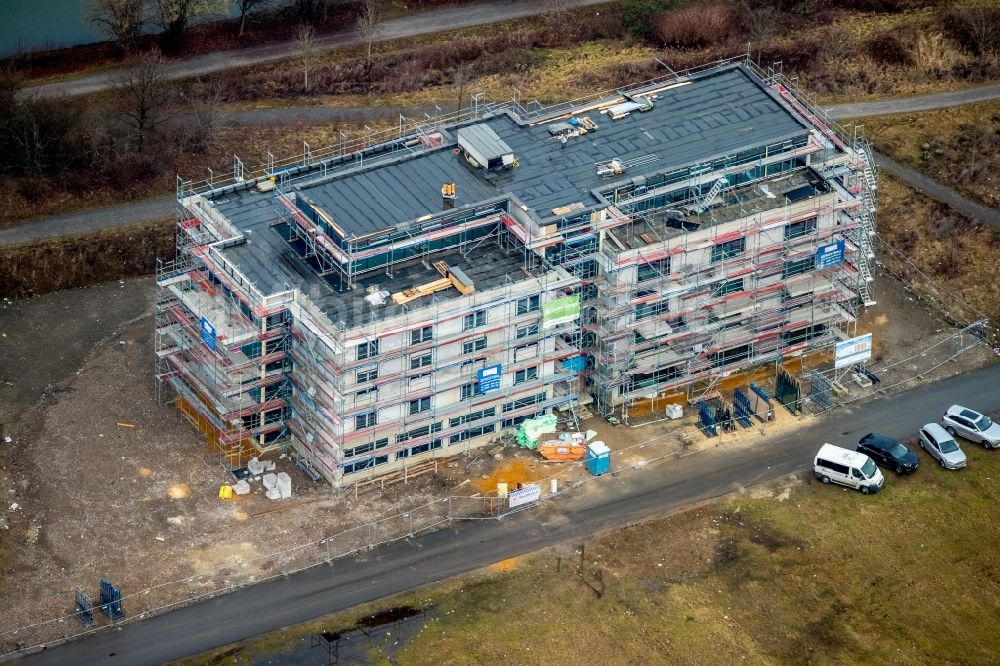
176, 15
121, 20
11, 82
761, 24
305, 43
38, 136
367, 25
983, 25
460, 75
140, 93
247, 6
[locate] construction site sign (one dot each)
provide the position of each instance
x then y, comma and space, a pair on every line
526, 494
489, 379
828, 256
853, 351
208, 333
560, 311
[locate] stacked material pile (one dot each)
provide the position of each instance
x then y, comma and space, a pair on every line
532, 429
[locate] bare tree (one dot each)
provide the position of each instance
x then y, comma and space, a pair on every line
367, 25
140, 93
460, 74
247, 6
838, 45
121, 20
305, 45
176, 15
761, 24
205, 103
983, 25
11, 82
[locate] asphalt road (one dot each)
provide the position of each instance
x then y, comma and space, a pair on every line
422, 23
602, 504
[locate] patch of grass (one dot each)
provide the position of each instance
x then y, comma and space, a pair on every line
947, 254
959, 146
81, 261
829, 576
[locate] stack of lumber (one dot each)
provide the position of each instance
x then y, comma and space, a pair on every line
407, 295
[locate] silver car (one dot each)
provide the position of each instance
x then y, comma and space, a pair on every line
936, 441
971, 425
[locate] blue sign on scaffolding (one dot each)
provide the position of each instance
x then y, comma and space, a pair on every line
489, 379
830, 255
208, 333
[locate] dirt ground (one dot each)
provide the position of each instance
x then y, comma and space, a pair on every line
109, 482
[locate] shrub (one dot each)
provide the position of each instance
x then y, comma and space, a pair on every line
695, 26
638, 16
933, 54
978, 26
888, 49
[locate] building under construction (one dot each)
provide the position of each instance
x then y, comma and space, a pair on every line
415, 293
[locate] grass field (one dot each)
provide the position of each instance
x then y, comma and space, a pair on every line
938, 251
795, 573
958, 146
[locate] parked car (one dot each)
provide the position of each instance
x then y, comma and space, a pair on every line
971, 425
936, 441
848, 468
889, 453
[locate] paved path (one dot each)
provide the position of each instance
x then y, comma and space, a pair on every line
105, 218
421, 23
599, 505
88, 220
939, 192
922, 103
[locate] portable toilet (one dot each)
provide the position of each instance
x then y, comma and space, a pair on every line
598, 458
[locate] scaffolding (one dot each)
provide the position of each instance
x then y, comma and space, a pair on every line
257, 371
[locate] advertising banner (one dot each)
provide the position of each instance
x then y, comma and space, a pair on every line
560, 311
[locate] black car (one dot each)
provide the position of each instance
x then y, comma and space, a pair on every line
888, 453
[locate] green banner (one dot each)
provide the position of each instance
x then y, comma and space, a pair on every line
560, 310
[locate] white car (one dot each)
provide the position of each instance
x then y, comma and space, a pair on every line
971, 425
940, 445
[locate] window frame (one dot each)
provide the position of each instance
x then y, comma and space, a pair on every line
368, 347
421, 335
474, 320
422, 360
525, 375
727, 250
530, 304
420, 405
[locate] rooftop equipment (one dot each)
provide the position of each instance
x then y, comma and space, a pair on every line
483, 148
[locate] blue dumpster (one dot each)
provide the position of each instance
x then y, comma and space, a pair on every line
598, 458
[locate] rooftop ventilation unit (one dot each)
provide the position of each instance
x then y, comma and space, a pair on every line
484, 149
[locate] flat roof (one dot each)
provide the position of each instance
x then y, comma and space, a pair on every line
273, 264
722, 112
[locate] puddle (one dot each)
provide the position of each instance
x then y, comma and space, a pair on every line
373, 639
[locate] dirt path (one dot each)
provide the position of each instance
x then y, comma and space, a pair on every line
431, 21
115, 216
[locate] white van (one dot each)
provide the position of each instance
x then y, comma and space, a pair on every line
849, 468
